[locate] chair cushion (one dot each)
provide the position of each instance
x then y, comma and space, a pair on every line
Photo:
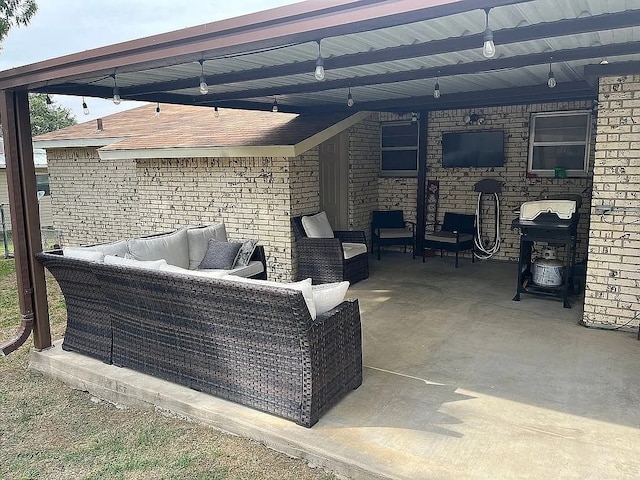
352, 249
119, 248
328, 295
173, 247
448, 237
304, 286
81, 253
198, 241
194, 273
317, 226
129, 262
220, 255
394, 233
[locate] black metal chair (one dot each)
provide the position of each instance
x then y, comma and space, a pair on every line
323, 259
388, 227
456, 235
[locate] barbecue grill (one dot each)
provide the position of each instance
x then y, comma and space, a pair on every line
553, 221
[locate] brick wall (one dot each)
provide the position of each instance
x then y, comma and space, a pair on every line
613, 272
93, 200
456, 184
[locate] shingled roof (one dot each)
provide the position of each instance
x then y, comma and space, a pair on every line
187, 131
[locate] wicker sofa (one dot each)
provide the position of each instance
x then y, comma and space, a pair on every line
254, 343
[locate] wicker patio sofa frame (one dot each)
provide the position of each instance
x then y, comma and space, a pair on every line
251, 344
322, 259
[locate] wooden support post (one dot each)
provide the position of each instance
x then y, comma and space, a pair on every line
25, 221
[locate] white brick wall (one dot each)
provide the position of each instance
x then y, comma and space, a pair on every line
613, 272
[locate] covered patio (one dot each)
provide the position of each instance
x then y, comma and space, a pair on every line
459, 382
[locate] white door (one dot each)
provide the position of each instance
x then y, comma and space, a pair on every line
334, 181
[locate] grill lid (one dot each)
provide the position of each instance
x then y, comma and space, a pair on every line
564, 209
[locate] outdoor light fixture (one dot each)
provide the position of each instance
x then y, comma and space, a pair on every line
47, 99
551, 82
116, 91
474, 119
414, 117
85, 109
604, 61
436, 88
274, 107
350, 101
319, 72
216, 113
204, 88
488, 48
158, 110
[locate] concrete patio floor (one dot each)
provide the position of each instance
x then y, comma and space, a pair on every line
459, 382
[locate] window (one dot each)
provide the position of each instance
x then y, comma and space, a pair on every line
559, 139
42, 183
399, 149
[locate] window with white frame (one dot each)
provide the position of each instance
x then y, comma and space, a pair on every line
42, 183
559, 140
399, 149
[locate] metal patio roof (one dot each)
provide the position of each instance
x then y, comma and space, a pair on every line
388, 52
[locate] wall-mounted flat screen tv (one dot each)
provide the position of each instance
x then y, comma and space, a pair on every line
473, 149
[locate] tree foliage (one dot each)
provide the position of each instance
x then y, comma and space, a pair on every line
14, 13
47, 117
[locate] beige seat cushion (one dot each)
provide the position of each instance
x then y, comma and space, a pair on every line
394, 233
447, 237
350, 250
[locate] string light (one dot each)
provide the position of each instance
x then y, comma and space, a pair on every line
274, 106
350, 101
204, 88
488, 48
319, 72
158, 110
47, 99
85, 108
116, 91
551, 82
436, 88
216, 113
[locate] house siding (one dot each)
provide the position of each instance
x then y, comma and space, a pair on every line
612, 294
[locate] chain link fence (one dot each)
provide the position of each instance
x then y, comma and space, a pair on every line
51, 239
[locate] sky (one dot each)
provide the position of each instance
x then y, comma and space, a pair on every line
61, 27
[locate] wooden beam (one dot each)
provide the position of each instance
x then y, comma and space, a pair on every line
25, 222
421, 214
612, 69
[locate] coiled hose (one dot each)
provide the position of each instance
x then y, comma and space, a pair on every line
485, 251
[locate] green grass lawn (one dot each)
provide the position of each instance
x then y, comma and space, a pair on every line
49, 431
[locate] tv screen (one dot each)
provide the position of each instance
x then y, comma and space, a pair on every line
473, 149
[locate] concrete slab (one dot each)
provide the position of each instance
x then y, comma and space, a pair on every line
459, 382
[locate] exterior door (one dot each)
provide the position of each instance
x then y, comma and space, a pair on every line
334, 181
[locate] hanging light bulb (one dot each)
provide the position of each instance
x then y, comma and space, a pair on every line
47, 99
319, 72
488, 48
414, 117
116, 91
158, 110
350, 101
551, 82
204, 88
216, 113
274, 107
85, 109
436, 88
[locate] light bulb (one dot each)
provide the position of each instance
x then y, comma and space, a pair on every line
158, 110
551, 83
116, 95
216, 113
274, 107
489, 48
85, 108
48, 100
436, 90
319, 73
350, 101
204, 88
414, 117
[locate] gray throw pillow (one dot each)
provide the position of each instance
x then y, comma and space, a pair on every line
245, 252
220, 255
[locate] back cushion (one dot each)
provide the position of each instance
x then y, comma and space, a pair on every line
173, 247
317, 226
81, 253
119, 248
198, 240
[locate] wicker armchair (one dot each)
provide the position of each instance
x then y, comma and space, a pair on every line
323, 259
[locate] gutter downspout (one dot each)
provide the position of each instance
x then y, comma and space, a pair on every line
25, 221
